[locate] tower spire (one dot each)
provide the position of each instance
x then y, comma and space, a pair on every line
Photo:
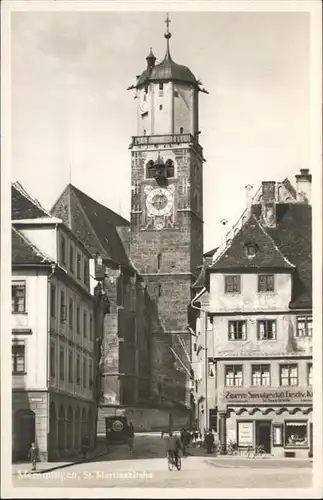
167, 34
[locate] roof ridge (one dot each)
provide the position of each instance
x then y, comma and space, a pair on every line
273, 242
18, 186
98, 203
32, 246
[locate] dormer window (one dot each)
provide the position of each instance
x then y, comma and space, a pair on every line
251, 249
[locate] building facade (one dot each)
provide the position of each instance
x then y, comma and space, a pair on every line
53, 333
258, 294
166, 241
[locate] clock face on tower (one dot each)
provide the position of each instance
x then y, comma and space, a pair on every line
159, 202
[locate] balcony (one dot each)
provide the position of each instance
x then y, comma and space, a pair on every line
154, 140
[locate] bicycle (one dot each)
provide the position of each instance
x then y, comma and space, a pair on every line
255, 451
174, 461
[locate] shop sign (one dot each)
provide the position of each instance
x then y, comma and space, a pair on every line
268, 396
245, 433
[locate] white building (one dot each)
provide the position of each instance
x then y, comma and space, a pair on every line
52, 333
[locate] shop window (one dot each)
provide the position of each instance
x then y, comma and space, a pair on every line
266, 283
237, 330
18, 351
260, 374
232, 284
52, 301
52, 360
289, 375
233, 376
310, 374
278, 434
266, 329
296, 434
62, 363
18, 297
304, 326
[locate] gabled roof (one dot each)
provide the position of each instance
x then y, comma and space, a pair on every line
23, 206
268, 254
93, 223
25, 252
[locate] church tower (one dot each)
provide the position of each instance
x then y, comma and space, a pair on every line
167, 214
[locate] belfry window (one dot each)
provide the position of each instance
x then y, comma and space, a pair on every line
150, 170
170, 168
161, 90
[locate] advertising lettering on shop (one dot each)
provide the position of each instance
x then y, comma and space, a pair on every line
274, 396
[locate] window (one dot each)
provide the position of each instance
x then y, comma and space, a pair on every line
181, 130
161, 90
71, 258
304, 326
78, 319
91, 327
63, 307
63, 250
18, 297
145, 97
70, 314
84, 325
160, 107
18, 358
85, 376
175, 93
170, 168
86, 272
277, 434
288, 375
90, 373
159, 290
62, 363
233, 375
53, 301
209, 322
260, 374
52, 360
78, 370
266, 283
70, 366
150, 170
78, 266
310, 374
237, 330
158, 261
146, 90
266, 329
296, 434
232, 284
211, 369
251, 250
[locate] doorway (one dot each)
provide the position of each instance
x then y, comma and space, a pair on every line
24, 428
263, 434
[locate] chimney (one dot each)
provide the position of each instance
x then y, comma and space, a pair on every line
304, 186
268, 204
224, 231
249, 191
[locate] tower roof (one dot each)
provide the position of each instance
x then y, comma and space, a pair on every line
167, 70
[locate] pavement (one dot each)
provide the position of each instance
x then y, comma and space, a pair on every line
147, 467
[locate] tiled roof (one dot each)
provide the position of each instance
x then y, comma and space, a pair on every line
268, 255
210, 253
93, 223
288, 245
24, 252
23, 206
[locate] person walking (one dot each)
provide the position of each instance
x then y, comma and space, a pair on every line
173, 446
33, 456
209, 441
131, 436
85, 444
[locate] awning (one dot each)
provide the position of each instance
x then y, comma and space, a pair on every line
296, 424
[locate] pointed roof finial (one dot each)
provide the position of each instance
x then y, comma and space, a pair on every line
168, 33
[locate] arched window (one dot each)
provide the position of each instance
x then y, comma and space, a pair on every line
150, 170
170, 168
181, 130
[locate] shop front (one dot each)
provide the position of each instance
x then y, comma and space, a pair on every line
278, 420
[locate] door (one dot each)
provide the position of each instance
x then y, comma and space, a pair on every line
24, 433
263, 434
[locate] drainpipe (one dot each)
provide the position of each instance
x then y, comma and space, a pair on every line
48, 349
205, 362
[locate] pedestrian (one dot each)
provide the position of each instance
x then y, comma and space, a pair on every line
33, 456
85, 444
209, 441
131, 436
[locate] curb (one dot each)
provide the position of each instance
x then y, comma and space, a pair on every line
69, 464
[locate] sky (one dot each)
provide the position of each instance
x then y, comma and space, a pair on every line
72, 117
